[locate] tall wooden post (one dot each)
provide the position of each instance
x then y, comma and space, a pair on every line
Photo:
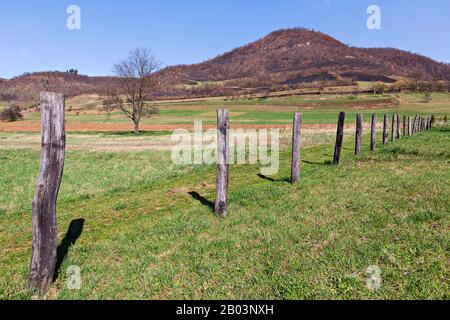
223, 157
405, 129
409, 126
385, 129
373, 133
415, 126
399, 127
296, 147
394, 127
358, 136
45, 229
339, 139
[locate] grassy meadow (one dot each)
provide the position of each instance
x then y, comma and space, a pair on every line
150, 232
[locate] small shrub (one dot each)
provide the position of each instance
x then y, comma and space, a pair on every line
427, 97
445, 119
11, 114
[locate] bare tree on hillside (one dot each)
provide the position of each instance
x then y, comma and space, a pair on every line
135, 84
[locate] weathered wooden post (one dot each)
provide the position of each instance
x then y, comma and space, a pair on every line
223, 157
296, 147
358, 135
394, 127
399, 127
339, 139
385, 129
415, 126
373, 133
409, 126
405, 129
45, 229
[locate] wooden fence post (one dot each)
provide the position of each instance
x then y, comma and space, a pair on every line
409, 126
296, 147
339, 139
385, 129
223, 157
394, 127
399, 127
45, 229
405, 129
415, 126
373, 133
359, 132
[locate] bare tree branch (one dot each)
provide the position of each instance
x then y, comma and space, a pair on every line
135, 82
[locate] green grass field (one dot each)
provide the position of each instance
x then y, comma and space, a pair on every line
317, 109
150, 232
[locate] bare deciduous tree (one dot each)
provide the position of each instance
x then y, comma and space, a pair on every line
133, 92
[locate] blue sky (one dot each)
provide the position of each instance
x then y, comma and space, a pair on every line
34, 36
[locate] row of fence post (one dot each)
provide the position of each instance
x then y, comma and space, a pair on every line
409, 128
45, 230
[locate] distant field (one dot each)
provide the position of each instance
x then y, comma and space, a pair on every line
84, 112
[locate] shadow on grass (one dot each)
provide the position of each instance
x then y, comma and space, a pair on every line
325, 163
272, 179
202, 200
73, 234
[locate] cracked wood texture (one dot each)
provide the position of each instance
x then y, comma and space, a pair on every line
339, 139
223, 156
45, 230
296, 147
409, 126
385, 129
373, 133
358, 135
394, 127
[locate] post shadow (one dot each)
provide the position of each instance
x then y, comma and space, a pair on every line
73, 234
325, 163
272, 179
202, 200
